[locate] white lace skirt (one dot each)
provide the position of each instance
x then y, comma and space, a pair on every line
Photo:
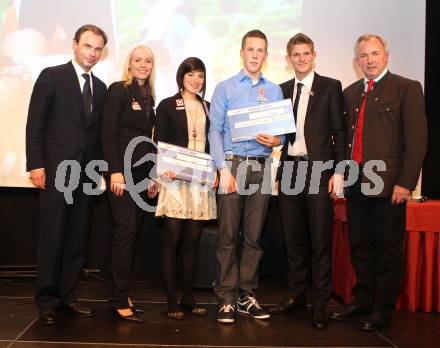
186, 200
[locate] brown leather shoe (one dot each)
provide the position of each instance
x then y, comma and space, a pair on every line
175, 315
196, 310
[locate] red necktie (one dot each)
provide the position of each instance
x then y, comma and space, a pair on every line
357, 146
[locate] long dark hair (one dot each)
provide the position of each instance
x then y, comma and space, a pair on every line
188, 65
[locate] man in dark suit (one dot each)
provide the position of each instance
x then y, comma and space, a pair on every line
306, 216
64, 123
385, 119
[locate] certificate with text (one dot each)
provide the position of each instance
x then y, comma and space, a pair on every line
188, 165
273, 118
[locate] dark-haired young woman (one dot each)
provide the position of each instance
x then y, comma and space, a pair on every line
183, 120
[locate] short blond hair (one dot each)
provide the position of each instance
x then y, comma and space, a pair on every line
127, 75
366, 37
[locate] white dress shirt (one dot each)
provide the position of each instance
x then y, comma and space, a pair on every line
377, 79
79, 71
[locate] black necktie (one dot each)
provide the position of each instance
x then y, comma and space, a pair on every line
87, 96
295, 109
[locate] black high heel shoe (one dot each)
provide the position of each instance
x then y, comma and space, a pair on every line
133, 308
137, 310
131, 318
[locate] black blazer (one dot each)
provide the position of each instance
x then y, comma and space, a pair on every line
57, 128
122, 122
171, 122
324, 128
395, 128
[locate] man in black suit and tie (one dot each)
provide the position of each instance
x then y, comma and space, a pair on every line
64, 123
385, 118
306, 216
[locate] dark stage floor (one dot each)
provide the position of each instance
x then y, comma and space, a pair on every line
19, 325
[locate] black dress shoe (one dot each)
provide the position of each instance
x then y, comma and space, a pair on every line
289, 304
133, 318
319, 317
77, 309
48, 316
375, 322
348, 312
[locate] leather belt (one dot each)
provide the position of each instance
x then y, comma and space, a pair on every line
297, 158
238, 158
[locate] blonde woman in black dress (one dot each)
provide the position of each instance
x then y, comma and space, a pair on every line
128, 113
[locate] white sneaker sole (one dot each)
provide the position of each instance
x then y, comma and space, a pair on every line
226, 321
263, 316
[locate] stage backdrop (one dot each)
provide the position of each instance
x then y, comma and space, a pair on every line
38, 33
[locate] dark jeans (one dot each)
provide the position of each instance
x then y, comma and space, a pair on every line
239, 274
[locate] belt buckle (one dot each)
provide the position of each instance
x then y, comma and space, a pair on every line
255, 159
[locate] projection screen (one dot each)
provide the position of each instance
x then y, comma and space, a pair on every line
38, 33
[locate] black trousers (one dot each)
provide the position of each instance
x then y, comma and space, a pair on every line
237, 273
376, 231
62, 245
128, 220
306, 221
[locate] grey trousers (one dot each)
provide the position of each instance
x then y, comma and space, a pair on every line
237, 272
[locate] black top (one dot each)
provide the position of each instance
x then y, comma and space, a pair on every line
128, 113
171, 122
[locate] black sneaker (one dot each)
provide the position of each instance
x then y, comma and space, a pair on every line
226, 314
249, 305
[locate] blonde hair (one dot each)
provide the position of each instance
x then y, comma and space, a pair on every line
127, 75
367, 37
